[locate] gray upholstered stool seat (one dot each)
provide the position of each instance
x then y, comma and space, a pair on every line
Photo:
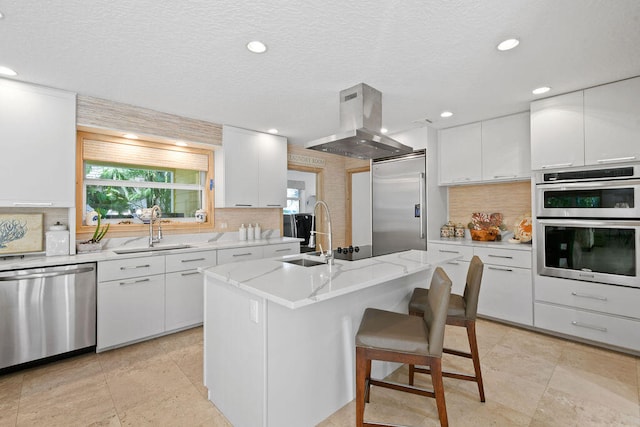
461, 312
397, 337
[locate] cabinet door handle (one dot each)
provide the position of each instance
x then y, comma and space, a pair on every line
192, 260
245, 254
587, 276
616, 159
191, 273
557, 165
587, 326
448, 251
34, 204
597, 297
275, 206
133, 267
500, 256
243, 204
283, 250
133, 282
463, 179
453, 263
504, 176
499, 268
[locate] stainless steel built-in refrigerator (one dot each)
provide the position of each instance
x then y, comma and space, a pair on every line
398, 200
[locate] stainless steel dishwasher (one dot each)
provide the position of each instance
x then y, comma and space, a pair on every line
46, 312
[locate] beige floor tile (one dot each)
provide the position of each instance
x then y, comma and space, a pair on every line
529, 342
74, 402
182, 339
608, 364
61, 373
489, 334
557, 408
525, 365
115, 362
10, 390
190, 361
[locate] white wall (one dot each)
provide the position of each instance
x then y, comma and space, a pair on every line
361, 209
437, 197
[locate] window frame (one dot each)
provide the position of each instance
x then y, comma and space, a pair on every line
84, 232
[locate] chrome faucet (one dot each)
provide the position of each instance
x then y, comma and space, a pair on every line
156, 212
312, 238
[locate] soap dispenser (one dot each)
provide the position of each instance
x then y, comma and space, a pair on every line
250, 232
258, 231
242, 233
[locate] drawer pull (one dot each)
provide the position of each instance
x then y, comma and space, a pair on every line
192, 260
283, 250
191, 273
453, 263
133, 267
448, 252
588, 276
499, 268
500, 256
243, 205
599, 298
616, 159
274, 206
133, 282
33, 204
587, 326
245, 254
557, 165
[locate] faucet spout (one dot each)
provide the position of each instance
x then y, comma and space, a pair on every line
312, 239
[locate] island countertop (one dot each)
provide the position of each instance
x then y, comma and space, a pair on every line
294, 286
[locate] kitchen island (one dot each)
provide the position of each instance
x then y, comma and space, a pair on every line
279, 337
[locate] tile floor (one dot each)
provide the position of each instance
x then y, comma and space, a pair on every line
530, 380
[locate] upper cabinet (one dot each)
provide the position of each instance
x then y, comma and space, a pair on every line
596, 126
251, 169
612, 123
489, 151
37, 133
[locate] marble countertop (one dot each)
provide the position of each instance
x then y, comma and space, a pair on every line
197, 244
294, 286
478, 244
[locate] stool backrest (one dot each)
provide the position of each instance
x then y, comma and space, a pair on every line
435, 315
472, 287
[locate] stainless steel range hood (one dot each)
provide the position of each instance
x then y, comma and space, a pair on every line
360, 123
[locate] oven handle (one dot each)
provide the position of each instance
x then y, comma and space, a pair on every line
591, 223
551, 185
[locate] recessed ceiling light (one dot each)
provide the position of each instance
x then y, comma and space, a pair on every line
257, 47
446, 114
181, 143
6, 71
273, 131
508, 44
541, 90
130, 136
384, 130
1, 15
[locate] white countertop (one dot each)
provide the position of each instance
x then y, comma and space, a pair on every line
479, 244
35, 261
294, 286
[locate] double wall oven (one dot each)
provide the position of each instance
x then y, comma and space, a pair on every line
588, 225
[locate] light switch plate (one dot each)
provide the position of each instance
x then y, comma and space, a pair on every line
254, 310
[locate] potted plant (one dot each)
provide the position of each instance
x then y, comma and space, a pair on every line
94, 244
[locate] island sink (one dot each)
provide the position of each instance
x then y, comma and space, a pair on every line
150, 249
304, 262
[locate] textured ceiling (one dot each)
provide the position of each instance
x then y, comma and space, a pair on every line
425, 56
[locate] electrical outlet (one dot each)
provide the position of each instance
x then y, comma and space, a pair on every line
254, 310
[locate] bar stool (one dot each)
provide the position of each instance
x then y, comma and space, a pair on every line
462, 312
397, 337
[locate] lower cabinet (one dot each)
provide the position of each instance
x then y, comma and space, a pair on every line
226, 256
129, 310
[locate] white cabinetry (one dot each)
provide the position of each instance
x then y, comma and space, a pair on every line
251, 169
557, 131
37, 130
489, 151
596, 126
593, 311
612, 122
506, 148
272, 251
460, 151
184, 294
130, 300
456, 270
226, 256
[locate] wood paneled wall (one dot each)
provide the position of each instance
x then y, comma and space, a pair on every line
512, 200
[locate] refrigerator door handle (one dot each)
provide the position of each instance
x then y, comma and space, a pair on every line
421, 200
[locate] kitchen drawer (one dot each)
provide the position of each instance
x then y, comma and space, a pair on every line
465, 251
611, 299
505, 257
130, 267
506, 293
190, 260
602, 328
226, 256
271, 251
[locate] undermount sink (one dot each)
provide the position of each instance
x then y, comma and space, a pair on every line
304, 262
150, 249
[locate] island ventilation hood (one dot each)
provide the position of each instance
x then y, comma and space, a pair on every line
360, 123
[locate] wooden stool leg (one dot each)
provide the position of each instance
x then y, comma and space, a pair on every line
367, 392
473, 344
361, 370
438, 389
412, 371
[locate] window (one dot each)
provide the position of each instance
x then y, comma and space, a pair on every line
293, 201
122, 177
